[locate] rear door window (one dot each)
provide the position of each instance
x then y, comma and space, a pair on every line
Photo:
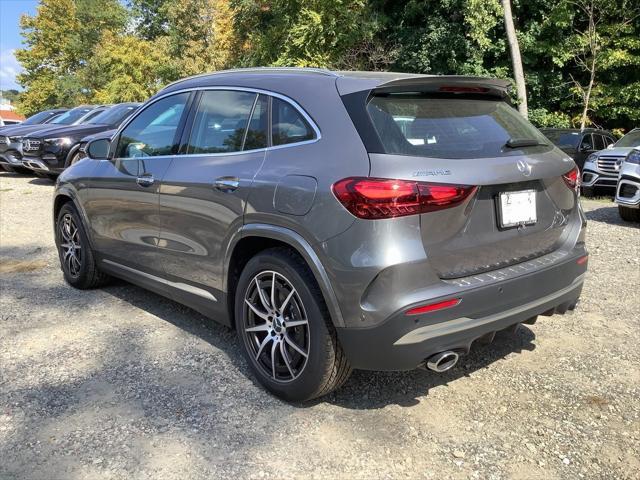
289, 126
221, 121
420, 125
598, 142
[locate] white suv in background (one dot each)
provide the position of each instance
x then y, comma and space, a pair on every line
601, 168
628, 189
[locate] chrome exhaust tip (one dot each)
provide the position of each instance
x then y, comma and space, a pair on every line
443, 361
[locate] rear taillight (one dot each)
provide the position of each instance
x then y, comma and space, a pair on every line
572, 179
377, 198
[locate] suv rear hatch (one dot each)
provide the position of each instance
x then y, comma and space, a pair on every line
461, 132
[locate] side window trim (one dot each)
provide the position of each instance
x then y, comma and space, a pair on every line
197, 93
246, 128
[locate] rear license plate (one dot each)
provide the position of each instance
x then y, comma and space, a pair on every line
518, 208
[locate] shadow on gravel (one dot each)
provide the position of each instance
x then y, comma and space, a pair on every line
609, 215
365, 389
42, 181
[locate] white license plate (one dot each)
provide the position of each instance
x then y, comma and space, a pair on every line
518, 208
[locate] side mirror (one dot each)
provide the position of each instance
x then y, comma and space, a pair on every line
98, 149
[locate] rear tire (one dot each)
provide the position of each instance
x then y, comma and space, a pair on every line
293, 359
74, 251
629, 214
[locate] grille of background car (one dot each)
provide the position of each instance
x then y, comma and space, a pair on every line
608, 164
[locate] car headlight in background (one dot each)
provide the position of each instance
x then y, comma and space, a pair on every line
58, 141
592, 158
633, 157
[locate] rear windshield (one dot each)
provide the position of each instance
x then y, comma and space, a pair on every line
564, 139
427, 126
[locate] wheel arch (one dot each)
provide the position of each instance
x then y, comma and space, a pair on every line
254, 238
62, 197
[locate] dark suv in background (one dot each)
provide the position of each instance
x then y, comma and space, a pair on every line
50, 151
579, 144
11, 137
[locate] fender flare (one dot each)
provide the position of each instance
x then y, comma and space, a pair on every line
303, 247
65, 191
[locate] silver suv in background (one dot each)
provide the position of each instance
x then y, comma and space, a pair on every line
601, 168
628, 189
336, 220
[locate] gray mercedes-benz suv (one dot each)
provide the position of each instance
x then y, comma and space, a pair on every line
336, 220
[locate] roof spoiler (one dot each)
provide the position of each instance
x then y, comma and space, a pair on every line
454, 84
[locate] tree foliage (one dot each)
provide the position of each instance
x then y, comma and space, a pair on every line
98, 50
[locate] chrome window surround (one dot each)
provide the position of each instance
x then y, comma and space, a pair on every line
291, 102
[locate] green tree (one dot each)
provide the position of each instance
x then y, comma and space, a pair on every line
126, 69
317, 33
150, 17
201, 35
59, 41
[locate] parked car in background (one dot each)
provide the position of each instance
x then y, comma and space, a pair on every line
579, 144
369, 220
11, 137
46, 116
48, 152
602, 168
628, 189
11, 144
9, 118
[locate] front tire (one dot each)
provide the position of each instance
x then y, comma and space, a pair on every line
74, 251
285, 329
629, 214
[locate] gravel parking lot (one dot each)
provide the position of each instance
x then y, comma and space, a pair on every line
121, 383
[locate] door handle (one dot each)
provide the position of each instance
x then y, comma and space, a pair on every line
227, 184
145, 180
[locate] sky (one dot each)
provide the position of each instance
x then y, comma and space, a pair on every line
10, 39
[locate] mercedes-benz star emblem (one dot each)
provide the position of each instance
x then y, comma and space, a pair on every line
524, 167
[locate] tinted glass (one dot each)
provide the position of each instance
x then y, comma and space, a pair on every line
91, 115
289, 126
586, 143
564, 139
411, 124
598, 142
608, 141
114, 115
38, 118
221, 121
631, 139
70, 116
153, 131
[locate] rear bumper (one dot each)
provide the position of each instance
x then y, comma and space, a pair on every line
405, 342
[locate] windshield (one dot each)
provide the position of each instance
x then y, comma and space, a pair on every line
631, 139
38, 118
429, 126
69, 117
114, 115
564, 139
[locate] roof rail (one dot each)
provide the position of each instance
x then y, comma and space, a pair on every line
317, 71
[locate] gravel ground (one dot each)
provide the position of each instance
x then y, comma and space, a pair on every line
121, 383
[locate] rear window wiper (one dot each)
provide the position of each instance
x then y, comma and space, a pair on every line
523, 142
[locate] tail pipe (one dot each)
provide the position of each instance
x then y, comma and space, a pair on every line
443, 361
